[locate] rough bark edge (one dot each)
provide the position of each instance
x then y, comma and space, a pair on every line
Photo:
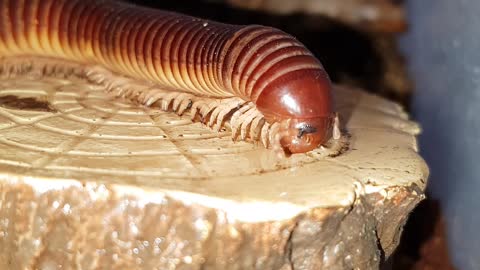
395, 210
88, 225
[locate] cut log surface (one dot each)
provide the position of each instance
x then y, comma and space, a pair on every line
92, 182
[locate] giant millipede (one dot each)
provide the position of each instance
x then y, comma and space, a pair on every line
260, 81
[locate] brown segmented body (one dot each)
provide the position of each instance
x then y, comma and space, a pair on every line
208, 59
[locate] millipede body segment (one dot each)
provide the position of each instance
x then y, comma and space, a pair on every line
187, 59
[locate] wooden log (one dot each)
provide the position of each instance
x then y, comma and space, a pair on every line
91, 182
371, 15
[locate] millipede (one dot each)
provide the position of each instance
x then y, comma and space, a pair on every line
261, 82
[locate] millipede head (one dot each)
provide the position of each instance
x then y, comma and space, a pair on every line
301, 102
303, 135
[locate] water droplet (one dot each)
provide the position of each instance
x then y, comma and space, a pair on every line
158, 240
133, 228
188, 259
338, 248
55, 204
67, 209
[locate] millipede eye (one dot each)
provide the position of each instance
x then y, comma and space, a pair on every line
305, 129
300, 133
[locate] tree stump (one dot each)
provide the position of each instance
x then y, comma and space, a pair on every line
92, 182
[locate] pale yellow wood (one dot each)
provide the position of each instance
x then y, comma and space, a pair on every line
75, 140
